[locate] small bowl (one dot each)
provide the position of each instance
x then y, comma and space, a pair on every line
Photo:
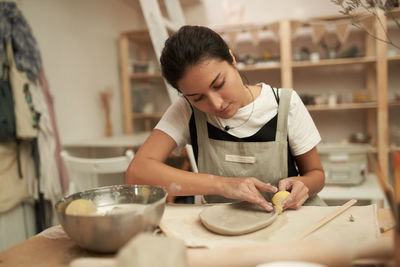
107, 233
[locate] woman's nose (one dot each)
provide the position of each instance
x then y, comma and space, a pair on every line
215, 100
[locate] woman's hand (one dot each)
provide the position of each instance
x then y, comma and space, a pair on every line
298, 192
247, 189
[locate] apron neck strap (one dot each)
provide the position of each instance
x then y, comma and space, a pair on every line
281, 129
201, 124
283, 111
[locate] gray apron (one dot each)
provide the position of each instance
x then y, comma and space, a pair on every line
266, 161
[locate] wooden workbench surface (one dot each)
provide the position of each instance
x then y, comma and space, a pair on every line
41, 251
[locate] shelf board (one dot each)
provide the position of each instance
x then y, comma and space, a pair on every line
342, 106
152, 115
394, 104
255, 67
394, 148
144, 76
332, 62
394, 58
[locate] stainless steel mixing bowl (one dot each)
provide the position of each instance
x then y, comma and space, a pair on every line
107, 233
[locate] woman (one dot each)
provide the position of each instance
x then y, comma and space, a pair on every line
249, 140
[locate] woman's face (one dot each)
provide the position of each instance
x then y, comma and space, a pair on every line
214, 87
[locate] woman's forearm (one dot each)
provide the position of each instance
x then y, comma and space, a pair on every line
314, 180
176, 181
148, 167
311, 171
180, 183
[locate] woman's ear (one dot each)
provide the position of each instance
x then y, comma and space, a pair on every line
233, 58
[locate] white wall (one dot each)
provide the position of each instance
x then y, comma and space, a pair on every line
211, 13
78, 43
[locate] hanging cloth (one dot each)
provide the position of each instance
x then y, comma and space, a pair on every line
15, 29
13, 189
26, 118
50, 186
49, 99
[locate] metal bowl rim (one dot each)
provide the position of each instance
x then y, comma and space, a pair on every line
63, 199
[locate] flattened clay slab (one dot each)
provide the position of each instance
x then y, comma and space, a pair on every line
236, 218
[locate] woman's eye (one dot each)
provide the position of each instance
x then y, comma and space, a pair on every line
198, 99
220, 85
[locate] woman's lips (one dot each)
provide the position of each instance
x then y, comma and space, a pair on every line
225, 109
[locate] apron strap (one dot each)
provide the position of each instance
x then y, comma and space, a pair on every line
283, 112
201, 125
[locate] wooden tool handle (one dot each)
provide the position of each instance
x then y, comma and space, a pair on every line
326, 219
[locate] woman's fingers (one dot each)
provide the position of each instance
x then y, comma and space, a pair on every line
253, 195
265, 187
248, 189
294, 202
298, 195
260, 200
284, 185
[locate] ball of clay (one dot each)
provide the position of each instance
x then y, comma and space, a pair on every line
80, 207
278, 198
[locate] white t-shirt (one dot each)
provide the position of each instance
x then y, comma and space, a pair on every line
302, 133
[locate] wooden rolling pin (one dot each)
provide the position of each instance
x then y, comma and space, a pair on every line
315, 252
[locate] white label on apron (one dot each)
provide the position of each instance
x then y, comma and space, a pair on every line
240, 159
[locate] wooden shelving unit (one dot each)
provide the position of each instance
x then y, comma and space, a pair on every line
136, 45
374, 65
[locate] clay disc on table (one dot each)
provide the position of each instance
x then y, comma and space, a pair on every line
236, 218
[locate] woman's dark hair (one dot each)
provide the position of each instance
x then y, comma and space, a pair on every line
188, 46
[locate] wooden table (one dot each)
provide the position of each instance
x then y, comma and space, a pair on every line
40, 251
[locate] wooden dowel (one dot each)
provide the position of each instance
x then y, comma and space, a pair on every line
326, 219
